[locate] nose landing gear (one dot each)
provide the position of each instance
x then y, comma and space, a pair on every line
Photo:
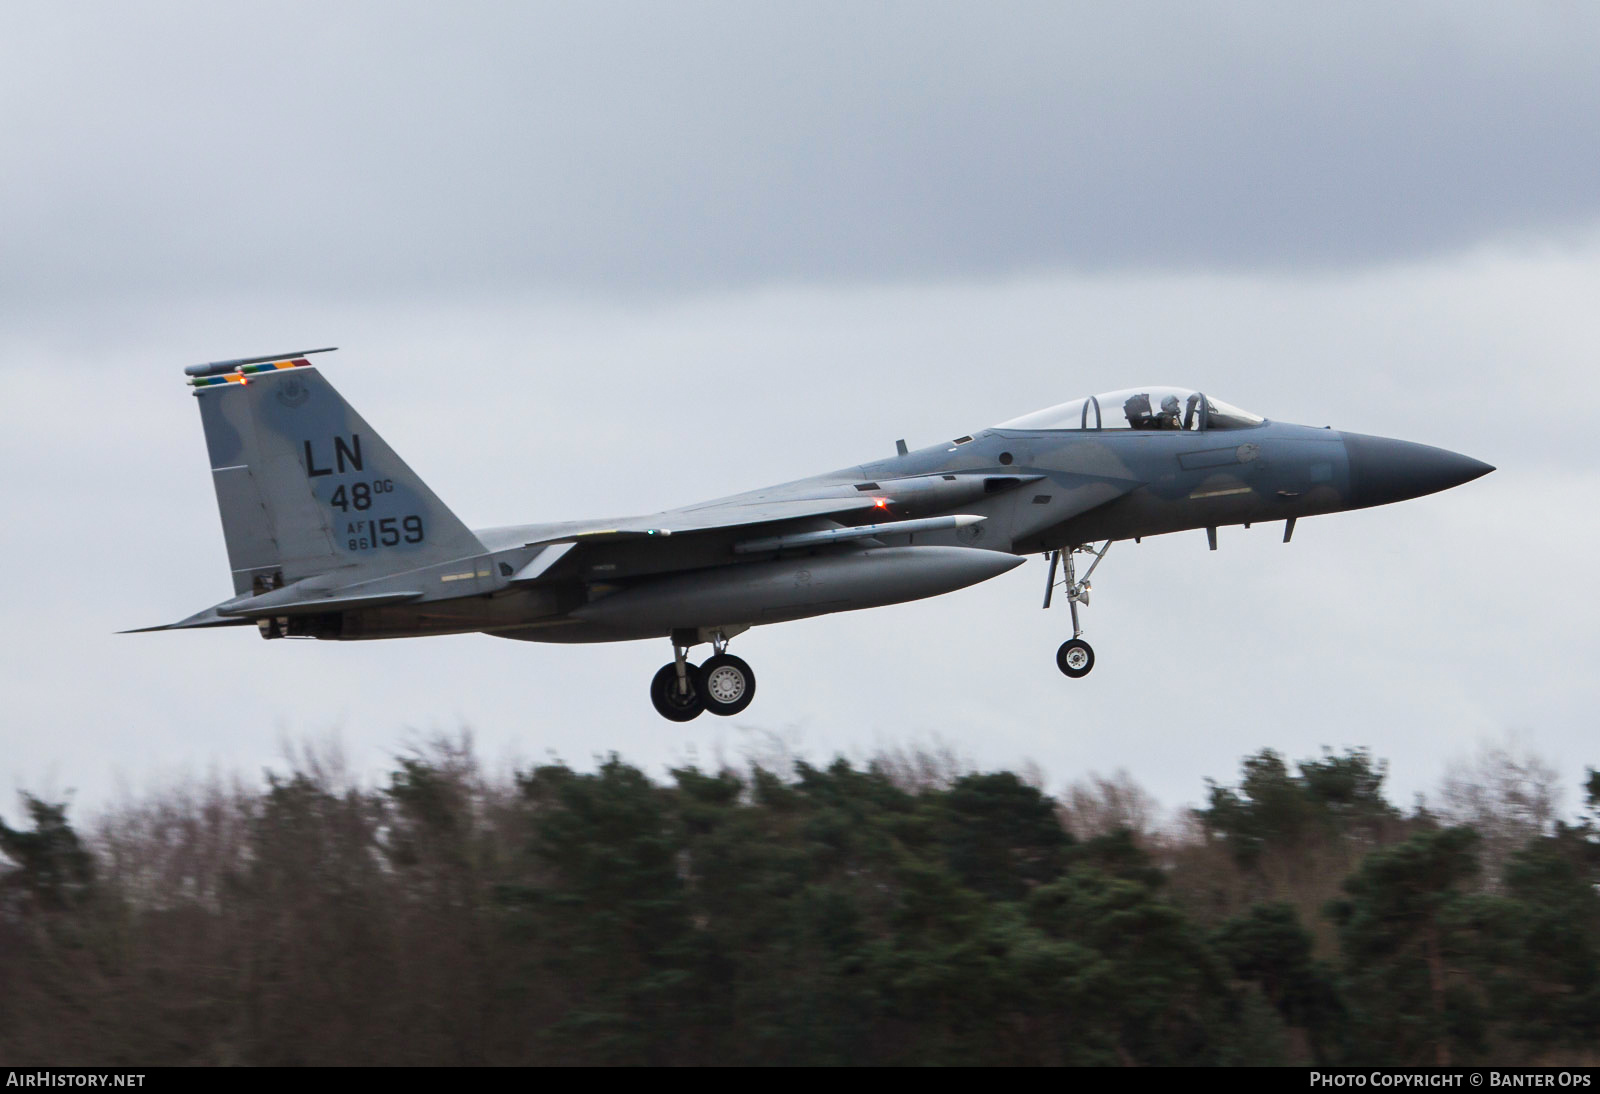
1075, 657
723, 684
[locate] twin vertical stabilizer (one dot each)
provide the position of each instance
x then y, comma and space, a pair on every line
306, 487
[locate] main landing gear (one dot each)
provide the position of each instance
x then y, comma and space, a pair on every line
723, 684
1075, 657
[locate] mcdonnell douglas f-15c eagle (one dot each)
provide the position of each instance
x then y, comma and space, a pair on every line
331, 535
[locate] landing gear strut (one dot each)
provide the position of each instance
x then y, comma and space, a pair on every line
1075, 657
723, 684
676, 689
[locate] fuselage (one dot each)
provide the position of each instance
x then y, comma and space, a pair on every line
1037, 490
330, 534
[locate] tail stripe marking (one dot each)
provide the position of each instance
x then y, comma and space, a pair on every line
242, 373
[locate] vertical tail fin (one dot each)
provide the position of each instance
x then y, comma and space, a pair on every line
305, 486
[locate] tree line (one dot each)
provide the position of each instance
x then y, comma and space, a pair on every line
904, 911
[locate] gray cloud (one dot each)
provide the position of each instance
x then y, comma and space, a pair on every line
420, 148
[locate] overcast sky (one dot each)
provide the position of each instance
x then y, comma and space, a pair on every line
597, 259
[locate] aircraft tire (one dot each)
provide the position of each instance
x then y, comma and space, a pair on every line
728, 684
669, 703
1075, 658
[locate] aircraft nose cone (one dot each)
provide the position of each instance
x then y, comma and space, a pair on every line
1384, 470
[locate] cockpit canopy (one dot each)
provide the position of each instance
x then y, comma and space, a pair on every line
1149, 408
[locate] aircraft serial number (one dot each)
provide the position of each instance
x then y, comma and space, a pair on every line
366, 535
360, 495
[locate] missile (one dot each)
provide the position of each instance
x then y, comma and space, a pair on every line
862, 531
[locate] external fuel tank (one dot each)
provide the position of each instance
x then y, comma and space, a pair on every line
791, 588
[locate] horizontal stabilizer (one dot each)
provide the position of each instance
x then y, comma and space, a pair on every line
207, 618
274, 603
241, 613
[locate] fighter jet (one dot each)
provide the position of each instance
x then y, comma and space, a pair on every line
330, 535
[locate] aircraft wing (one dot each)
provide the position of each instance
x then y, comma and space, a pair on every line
716, 517
557, 540
571, 540
909, 496
711, 517
776, 520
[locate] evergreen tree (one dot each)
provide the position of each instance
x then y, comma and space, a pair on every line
1271, 948
1272, 808
1417, 946
611, 912
1549, 989
52, 871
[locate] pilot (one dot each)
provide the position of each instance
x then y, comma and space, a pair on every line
1168, 418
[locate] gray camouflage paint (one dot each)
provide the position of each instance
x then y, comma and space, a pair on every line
289, 455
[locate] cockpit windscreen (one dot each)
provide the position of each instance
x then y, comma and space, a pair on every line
1148, 408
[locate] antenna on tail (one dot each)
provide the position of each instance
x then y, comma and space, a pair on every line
216, 368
